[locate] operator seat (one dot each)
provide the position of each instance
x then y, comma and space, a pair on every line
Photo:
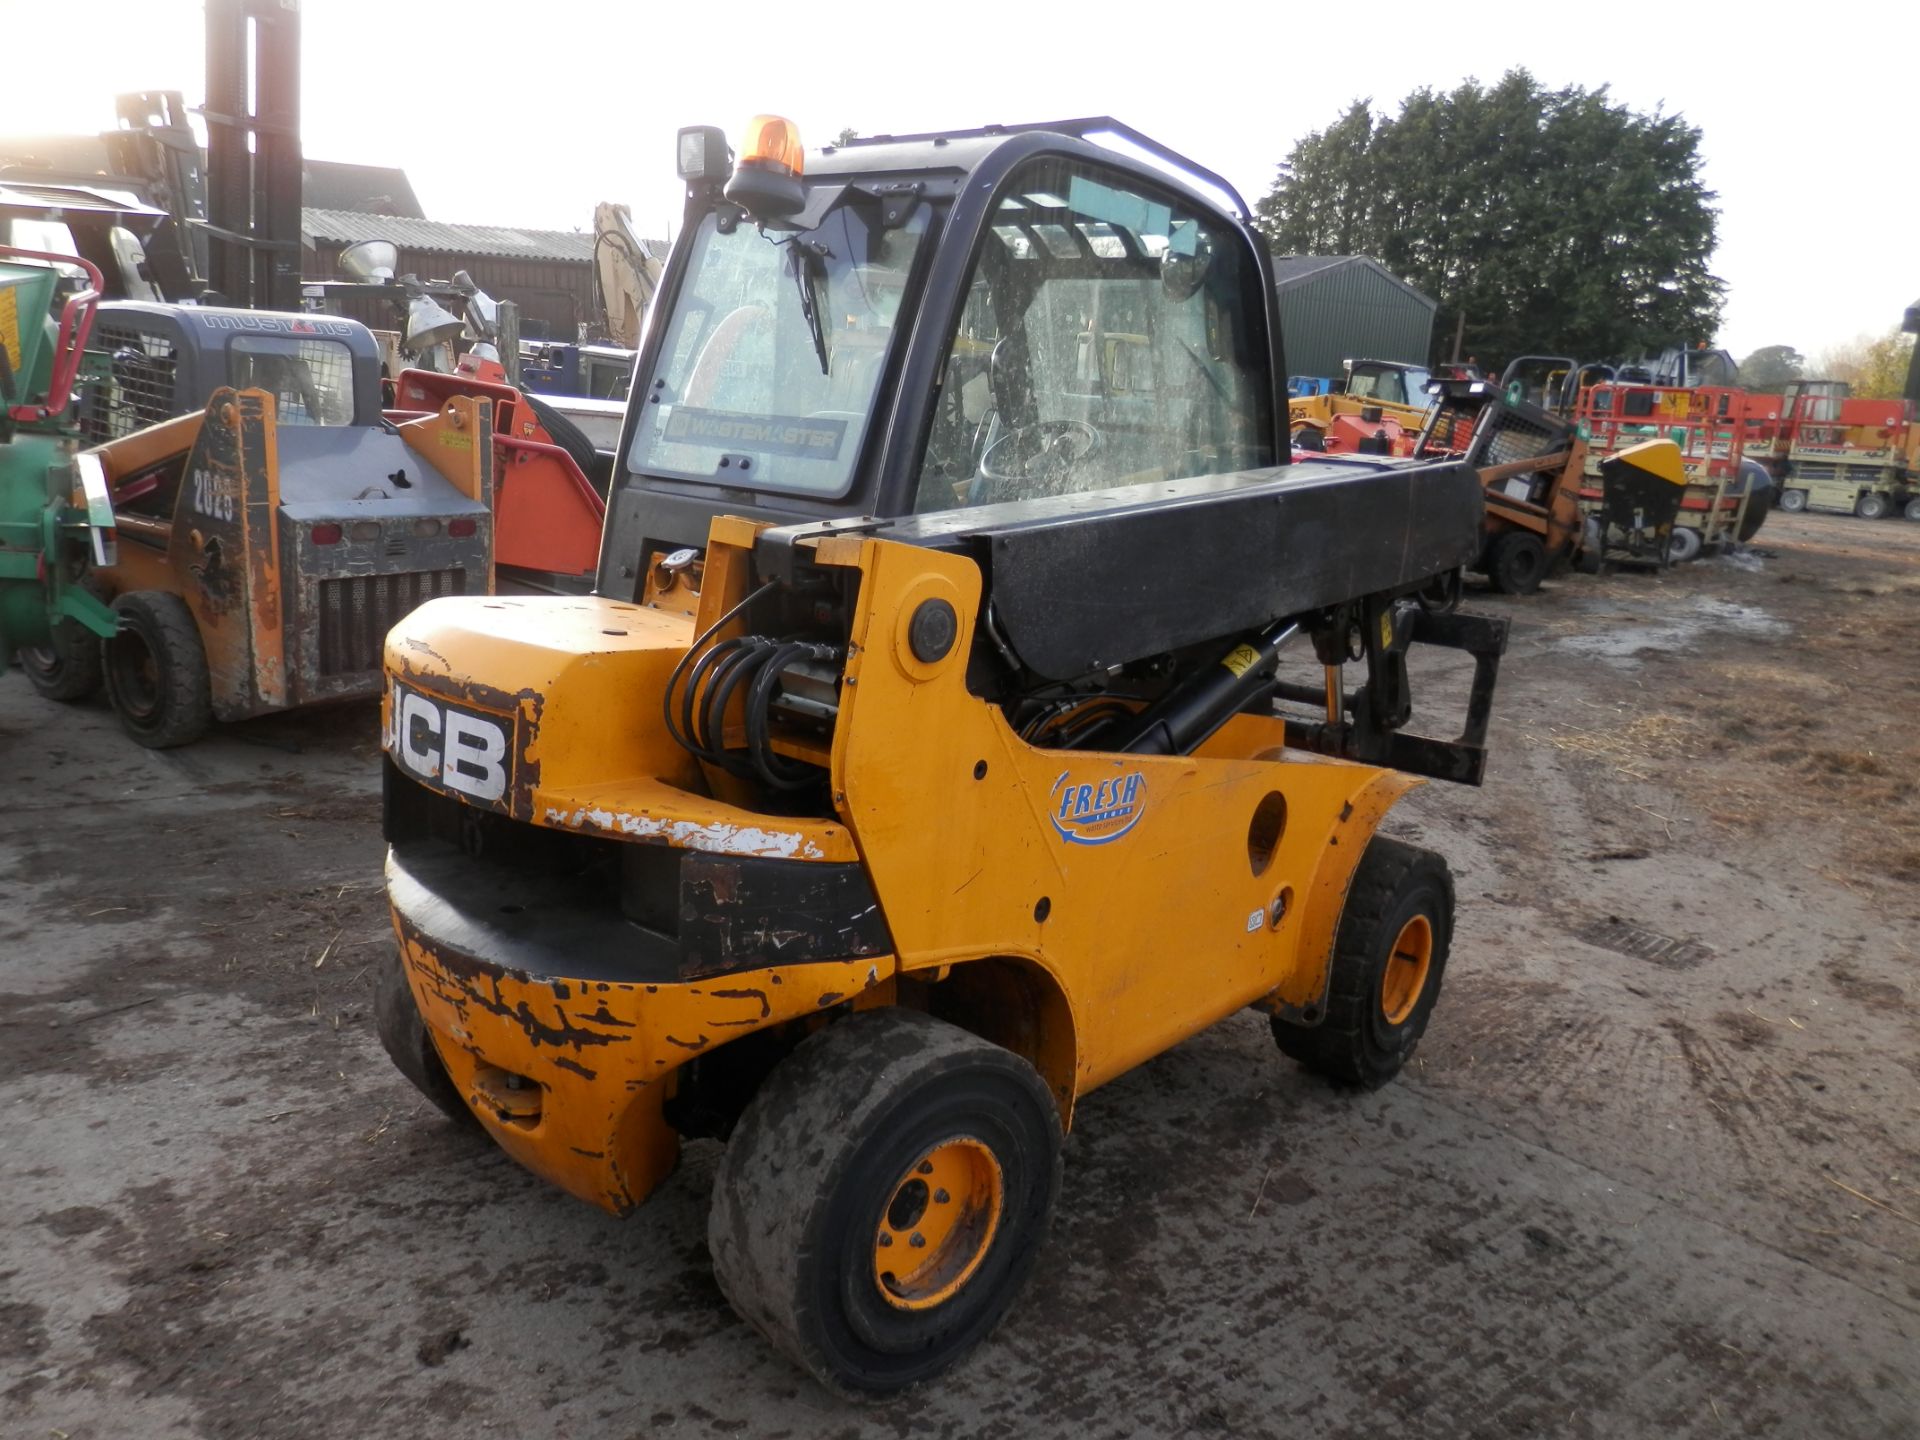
1010, 378
1010, 389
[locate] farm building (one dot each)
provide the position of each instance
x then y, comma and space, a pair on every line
547, 273
1348, 307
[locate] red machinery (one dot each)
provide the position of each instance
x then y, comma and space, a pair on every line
1832, 451
1370, 432
547, 514
1713, 425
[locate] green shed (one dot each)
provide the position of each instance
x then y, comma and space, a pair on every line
1348, 307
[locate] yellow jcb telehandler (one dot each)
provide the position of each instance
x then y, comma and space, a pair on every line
952, 729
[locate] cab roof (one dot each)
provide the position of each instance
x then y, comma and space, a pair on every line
208, 322
964, 151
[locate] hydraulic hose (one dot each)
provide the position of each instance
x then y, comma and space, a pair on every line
680, 669
1186, 715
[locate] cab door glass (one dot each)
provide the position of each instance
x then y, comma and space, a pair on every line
1111, 336
311, 381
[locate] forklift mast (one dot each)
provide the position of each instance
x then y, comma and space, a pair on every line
254, 160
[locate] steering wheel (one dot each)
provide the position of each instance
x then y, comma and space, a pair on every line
1034, 459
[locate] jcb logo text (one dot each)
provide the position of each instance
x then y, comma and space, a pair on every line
448, 747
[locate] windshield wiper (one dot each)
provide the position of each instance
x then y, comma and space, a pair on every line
804, 257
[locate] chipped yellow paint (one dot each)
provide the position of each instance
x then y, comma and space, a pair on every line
1096, 908
598, 1058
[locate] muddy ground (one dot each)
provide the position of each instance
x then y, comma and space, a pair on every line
1656, 1170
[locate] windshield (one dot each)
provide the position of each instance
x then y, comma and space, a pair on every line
311, 380
1396, 386
770, 361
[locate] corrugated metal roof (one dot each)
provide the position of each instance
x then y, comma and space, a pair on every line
348, 226
1291, 270
23, 194
1288, 268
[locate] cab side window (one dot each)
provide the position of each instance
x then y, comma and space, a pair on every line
1110, 337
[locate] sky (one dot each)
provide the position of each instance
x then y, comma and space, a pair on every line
530, 114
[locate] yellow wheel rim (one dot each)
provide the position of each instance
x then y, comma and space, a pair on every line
1406, 974
938, 1225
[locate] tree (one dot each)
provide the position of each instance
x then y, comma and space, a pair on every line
1883, 373
1555, 220
847, 136
1843, 360
1772, 367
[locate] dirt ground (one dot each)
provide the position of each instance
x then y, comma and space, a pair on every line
1655, 1171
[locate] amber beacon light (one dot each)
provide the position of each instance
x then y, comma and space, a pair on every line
766, 179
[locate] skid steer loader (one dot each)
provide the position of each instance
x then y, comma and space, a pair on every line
974, 702
1532, 463
267, 540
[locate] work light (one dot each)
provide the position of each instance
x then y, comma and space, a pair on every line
702, 153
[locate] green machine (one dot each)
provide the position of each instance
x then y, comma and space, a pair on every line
56, 516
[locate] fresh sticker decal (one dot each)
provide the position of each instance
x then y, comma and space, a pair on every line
1100, 812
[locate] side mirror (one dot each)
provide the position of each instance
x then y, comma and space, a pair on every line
1182, 275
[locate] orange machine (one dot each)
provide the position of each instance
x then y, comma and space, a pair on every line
547, 513
1530, 461
261, 562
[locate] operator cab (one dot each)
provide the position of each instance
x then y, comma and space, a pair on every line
919, 324
147, 363
1388, 380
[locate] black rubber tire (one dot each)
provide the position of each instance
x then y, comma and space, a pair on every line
1872, 505
1793, 501
570, 438
404, 1036
1683, 544
1516, 562
67, 669
156, 671
1762, 493
811, 1168
1590, 555
1356, 1043
1912, 510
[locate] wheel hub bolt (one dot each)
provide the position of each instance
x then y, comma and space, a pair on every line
885, 1240
940, 1197
917, 1240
